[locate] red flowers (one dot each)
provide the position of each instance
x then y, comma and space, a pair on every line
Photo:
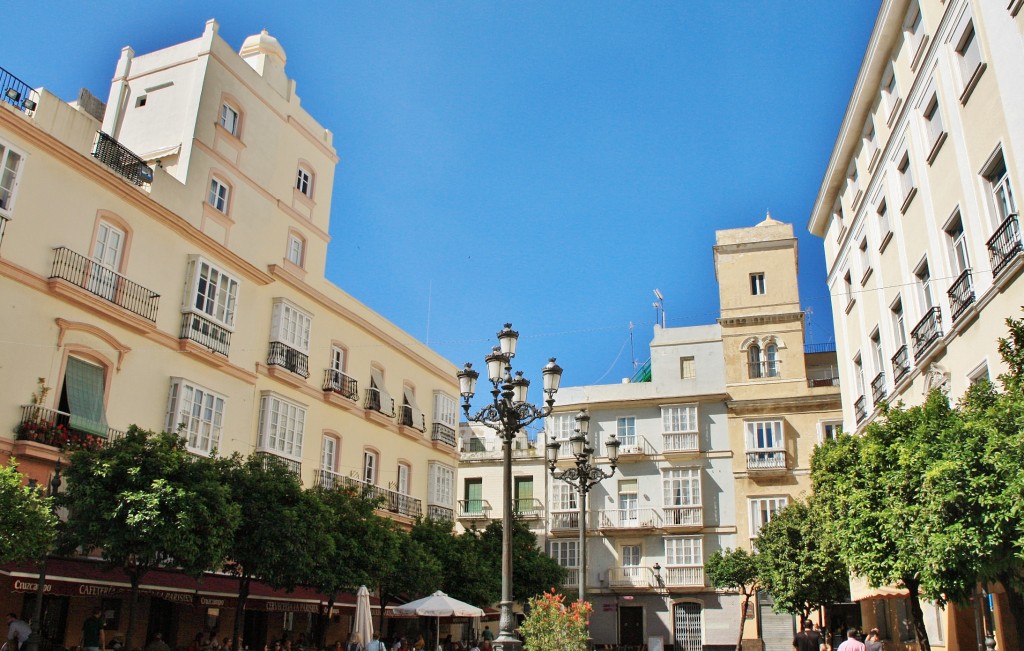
553, 626
57, 435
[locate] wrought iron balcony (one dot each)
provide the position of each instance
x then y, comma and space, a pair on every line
765, 369
474, 510
961, 294
409, 416
878, 390
860, 409
766, 459
685, 577
1004, 245
636, 518
572, 577
104, 282
17, 93
632, 576
339, 383
122, 160
565, 519
390, 500
288, 358
440, 513
528, 508
376, 401
443, 434
682, 442
822, 376
684, 516
54, 428
900, 364
205, 332
813, 349
632, 446
926, 332
291, 464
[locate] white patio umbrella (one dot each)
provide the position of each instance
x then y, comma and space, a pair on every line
363, 626
438, 605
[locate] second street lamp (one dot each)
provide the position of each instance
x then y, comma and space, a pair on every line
582, 478
508, 414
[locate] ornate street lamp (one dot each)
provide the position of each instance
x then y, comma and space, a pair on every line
508, 414
582, 478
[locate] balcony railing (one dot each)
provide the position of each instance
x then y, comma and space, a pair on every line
635, 445
827, 347
1004, 245
684, 516
291, 464
528, 508
122, 160
205, 333
288, 358
440, 513
685, 577
682, 442
443, 434
565, 519
572, 576
54, 428
341, 384
390, 500
474, 510
926, 332
766, 459
636, 518
632, 576
961, 294
374, 401
765, 369
410, 416
860, 409
878, 391
17, 93
900, 364
823, 376
104, 282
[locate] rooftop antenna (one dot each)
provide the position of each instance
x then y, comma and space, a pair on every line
659, 307
632, 354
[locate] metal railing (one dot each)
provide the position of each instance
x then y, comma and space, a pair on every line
685, 577
341, 384
291, 464
375, 402
900, 363
926, 332
572, 576
684, 516
474, 510
42, 425
635, 445
528, 508
636, 518
1004, 245
122, 160
682, 442
823, 376
288, 358
104, 282
878, 390
440, 513
961, 294
765, 368
389, 500
17, 93
631, 576
205, 332
409, 416
443, 434
767, 459
565, 519
860, 409
827, 347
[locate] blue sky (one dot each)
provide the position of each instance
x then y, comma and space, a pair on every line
544, 163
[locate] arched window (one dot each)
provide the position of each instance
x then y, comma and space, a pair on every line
754, 361
771, 360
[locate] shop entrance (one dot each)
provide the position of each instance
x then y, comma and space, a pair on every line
54, 622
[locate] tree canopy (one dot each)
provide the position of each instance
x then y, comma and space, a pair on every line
735, 569
27, 523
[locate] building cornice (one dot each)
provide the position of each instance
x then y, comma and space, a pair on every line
760, 319
756, 406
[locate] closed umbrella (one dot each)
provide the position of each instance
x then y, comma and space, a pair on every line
438, 605
363, 626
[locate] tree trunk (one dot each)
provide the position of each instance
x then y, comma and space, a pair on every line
743, 620
1015, 604
243, 594
917, 615
384, 601
133, 600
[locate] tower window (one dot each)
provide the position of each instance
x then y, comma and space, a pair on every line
757, 284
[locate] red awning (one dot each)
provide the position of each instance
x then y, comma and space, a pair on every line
90, 577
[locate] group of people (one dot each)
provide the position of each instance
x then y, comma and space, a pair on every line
402, 643
813, 639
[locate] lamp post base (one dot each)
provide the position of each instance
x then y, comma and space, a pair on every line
507, 643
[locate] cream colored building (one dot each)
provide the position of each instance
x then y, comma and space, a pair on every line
162, 264
716, 438
920, 223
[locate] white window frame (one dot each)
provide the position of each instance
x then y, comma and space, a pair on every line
884, 227
339, 358
758, 516
282, 425
997, 176
925, 286
681, 487
220, 195
899, 323
858, 374
329, 445
12, 162
932, 116
404, 472
296, 250
565, 553
625, 430
968, 53
216, 289
877, 352
446, 410
229, 118
371, 467
304, 181
759, 431
904, 177
442, 484
890, 91
679, 418
959, 253
198, 412
829, 430
561, 426
290, 325
757, 284
684, 551
563, 497
913, 33
687, 367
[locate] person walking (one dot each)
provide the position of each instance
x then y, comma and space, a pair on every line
852, 643
808, 639
92, 631
873, 642
17, 632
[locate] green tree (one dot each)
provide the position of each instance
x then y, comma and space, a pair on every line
735, 569
27, 523
283, 530
533, 571
414, 571
468, 574
798, 561
145, 502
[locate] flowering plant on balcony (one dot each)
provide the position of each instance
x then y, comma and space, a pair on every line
553, 626
57, 435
